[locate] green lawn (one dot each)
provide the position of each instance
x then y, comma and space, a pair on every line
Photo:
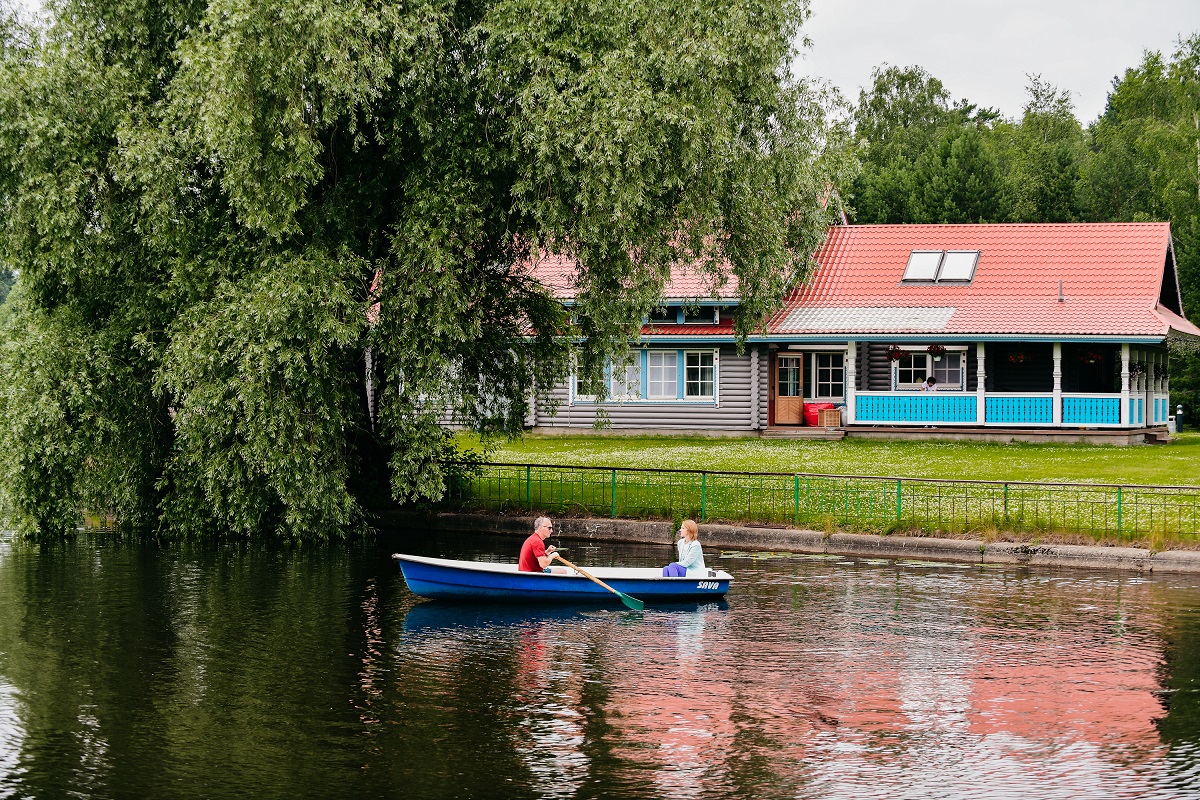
1177, 463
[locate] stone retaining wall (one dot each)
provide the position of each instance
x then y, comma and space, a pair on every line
732, 537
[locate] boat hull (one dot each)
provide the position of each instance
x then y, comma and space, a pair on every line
446, 579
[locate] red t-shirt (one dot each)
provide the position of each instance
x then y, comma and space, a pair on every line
530, 551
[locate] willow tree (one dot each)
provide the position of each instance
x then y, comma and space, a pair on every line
222, 212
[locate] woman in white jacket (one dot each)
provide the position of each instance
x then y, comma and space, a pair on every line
691, 556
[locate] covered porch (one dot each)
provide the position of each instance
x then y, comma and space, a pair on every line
1031, 386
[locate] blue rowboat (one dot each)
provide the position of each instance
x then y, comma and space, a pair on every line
447, 579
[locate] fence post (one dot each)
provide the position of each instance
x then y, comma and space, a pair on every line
899, 502
796, 497
613, 494
703, 496
1006, 504
1120, 521
528, 489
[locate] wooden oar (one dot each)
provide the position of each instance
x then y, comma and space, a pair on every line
630, 602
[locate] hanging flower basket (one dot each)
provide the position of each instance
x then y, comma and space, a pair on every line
1091, 357
895, 353
1018, 357
937, 351
1136, 370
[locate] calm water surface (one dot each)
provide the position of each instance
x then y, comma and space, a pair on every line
135, 670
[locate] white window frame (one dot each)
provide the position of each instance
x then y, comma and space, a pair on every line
669, 365
650, 372
576, 397
700, 367
899, 384
716, 316
816, 374
629, 391
954, 350
962, 371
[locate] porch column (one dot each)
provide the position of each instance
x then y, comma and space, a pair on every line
1146, 390
980, 381
754, 423
1160, 377
850, 373
1057, 383
1125, 384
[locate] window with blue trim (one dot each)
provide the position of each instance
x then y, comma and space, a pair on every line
704, 315
830, 375
580, 393
627, 382
663, 368
699, 380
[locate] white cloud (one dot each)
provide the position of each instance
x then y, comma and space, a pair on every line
984, 51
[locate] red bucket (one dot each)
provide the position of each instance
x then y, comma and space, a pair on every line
812, 410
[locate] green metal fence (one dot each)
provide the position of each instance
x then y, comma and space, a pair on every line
828, 502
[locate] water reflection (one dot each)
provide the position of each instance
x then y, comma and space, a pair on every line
130, 670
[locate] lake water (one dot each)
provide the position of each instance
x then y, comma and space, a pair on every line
214, 671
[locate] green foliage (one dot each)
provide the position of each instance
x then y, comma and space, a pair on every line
262, 378
90, 433
924, 159
956, 180
1042, 157
223, 210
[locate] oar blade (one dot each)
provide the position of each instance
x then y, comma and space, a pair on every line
631, 602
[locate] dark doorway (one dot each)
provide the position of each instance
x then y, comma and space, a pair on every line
1020, 367
1091, 368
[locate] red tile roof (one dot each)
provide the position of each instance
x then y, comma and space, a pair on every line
559, 272
1111, 276
663, 329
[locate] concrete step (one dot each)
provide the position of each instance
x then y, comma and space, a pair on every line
802, 432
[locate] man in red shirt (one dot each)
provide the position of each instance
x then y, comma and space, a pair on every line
535, 556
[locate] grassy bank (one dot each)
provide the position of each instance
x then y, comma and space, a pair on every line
1168, 464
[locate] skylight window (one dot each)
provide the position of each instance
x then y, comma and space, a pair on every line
941, 266
923, 265
958, 265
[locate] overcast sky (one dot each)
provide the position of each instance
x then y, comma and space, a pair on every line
983, 50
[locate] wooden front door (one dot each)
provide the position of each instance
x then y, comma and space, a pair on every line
789, 390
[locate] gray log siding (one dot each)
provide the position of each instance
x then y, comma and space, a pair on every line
732, 415
764, 388
879, 369
755, 387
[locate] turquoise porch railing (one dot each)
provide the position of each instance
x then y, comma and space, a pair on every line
1091, 410
918, 407
1019, 409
